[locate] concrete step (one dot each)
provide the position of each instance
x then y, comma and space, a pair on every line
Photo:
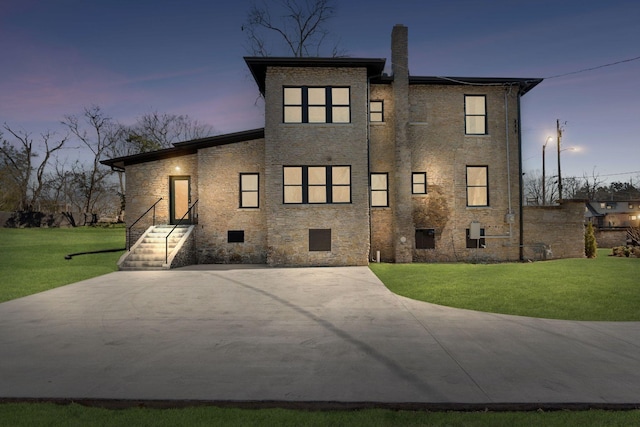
162, 240
139, 265
146, 257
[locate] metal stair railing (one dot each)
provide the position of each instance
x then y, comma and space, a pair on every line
139, 218
166, 239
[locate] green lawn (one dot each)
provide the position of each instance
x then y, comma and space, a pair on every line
75, 415
604, 288
32, 259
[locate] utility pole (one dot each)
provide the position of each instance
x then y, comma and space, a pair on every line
559, 136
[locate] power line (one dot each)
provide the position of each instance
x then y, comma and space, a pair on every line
594, 68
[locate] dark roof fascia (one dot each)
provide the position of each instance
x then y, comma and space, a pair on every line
228, 138
185, 148
525, 84
258, 65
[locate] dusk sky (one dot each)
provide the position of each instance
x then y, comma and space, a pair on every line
186, 57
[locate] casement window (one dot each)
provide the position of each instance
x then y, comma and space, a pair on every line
426, 238
477, 186
316, 184
419, 183
475, 114
317, 105
475, 243
380, 189
376, 111
249, 190
320, 240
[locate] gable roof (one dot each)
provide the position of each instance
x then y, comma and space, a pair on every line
185, 148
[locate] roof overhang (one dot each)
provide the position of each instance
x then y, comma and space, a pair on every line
524, 84
185, 148
258, 65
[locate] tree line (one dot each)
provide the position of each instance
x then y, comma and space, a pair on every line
588, 187
36, 175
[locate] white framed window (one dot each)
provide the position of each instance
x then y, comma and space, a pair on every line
249, 190
477, 186
304, 104
380, 189
475, 114
316, 184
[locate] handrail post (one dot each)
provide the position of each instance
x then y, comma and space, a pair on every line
166, 238
139, 218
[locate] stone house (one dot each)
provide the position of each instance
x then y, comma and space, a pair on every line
352, 165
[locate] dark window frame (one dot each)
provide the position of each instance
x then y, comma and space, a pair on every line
381, 112
385, 191
486, 186
242, 191
304, 105
413, 183
329, 185
466, 127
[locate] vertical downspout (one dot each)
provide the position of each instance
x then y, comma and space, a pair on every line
521, 210
370, 255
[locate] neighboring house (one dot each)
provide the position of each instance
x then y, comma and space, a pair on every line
613, 214
352, 165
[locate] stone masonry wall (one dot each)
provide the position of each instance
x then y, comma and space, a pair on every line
219, 206
147, 182
440, 148
560, 228
309, 144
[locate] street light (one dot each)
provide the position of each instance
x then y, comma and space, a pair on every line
544, 188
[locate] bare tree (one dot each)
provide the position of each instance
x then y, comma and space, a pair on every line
155, 131
98, 133
591, 185
300, 24
532, 189
19, 164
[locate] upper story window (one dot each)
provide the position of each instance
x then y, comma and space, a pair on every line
477, 186
249, 186
419, 183
380, 189
475, 114
316, 184
376, 111
317, 105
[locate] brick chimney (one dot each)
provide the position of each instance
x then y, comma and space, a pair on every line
402, 207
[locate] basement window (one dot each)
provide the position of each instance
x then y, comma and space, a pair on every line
426, 238
235, 236
320, 240
476, 243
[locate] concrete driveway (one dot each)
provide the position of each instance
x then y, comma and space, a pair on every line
300, 335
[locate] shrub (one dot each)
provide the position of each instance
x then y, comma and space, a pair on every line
590, 245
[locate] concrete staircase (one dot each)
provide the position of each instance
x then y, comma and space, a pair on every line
148, 253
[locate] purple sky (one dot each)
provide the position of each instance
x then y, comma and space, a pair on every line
185, 57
